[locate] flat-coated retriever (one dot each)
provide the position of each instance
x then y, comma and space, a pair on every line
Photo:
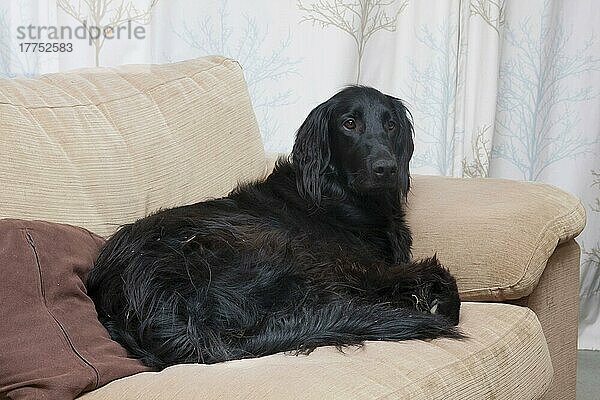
316, 254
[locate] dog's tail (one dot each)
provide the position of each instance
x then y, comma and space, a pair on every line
344, 323
340, 323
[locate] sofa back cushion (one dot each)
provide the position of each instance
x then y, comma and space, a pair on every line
100, 147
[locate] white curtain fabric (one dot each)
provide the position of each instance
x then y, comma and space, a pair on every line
499, 88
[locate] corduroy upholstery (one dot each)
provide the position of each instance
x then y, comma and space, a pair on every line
101, 147
555, 301
513, 228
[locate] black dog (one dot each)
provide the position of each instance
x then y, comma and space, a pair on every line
315, 254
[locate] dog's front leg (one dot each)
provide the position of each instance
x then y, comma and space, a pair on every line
424, 285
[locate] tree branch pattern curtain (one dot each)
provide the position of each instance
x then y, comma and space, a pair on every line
497, 88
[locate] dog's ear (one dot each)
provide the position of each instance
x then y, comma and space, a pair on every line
311, 154
404, 145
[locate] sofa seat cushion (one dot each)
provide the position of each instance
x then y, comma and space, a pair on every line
504, 357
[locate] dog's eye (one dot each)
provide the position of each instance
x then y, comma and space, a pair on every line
391, 125
350, 124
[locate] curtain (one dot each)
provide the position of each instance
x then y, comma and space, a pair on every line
497, 88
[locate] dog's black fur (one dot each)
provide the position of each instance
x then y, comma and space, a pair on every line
315, 254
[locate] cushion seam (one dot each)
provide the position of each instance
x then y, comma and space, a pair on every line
31, 243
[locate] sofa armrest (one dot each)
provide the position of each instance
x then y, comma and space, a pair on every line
555, 301
494, 235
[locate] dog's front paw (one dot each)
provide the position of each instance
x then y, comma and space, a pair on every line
446, 300
439, 294
448, 306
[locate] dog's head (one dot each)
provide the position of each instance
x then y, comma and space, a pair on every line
362, 137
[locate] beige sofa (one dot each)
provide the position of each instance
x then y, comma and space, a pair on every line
101, 147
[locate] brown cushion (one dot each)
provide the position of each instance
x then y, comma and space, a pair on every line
52, 345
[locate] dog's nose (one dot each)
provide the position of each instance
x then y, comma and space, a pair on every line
385, 168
